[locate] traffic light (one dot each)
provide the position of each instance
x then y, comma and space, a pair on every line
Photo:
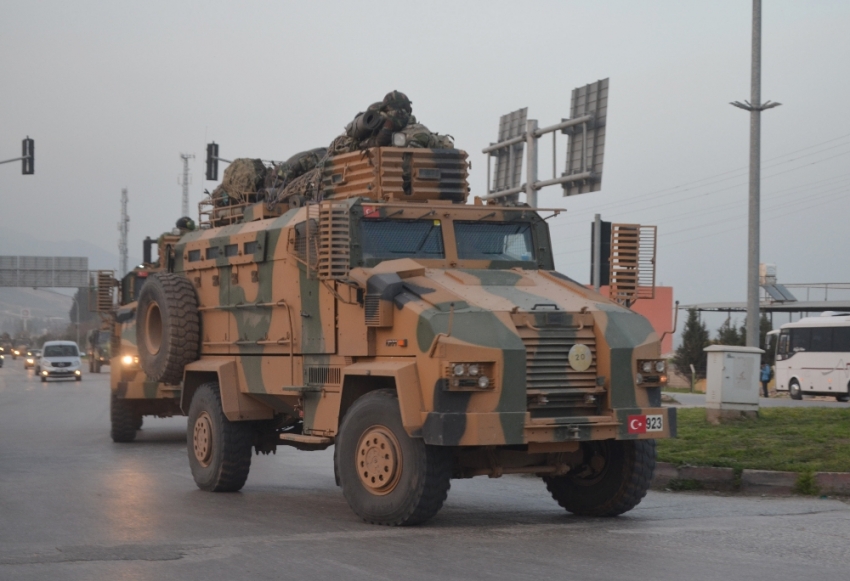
604, 254
28, 157
212, 161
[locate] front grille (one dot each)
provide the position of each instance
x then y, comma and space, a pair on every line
553, 387
62, 364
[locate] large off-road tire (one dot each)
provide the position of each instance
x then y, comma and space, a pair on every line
387, 477
167, 327
612, 480
123, 418
794, 390
219, 450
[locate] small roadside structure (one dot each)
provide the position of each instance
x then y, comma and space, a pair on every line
732, 382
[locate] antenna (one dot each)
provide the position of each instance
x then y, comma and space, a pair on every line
185, 182
123, 228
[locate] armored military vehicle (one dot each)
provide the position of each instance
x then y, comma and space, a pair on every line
133, 395
426, 338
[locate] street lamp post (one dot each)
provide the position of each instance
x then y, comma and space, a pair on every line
755, 107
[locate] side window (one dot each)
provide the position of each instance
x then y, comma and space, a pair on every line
841, 339
800, 339
782, 348
821, 340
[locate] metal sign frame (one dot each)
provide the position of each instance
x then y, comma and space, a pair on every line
44, 271
586, 144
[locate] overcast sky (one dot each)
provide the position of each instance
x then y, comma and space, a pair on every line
113, 92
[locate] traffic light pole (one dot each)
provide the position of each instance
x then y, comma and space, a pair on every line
27, 157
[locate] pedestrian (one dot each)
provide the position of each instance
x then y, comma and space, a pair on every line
765, 378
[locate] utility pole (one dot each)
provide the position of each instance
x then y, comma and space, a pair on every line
755, 107
123, 228
185, 182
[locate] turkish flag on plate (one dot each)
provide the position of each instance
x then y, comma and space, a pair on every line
637, 424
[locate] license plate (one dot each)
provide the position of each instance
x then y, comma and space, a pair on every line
641, 424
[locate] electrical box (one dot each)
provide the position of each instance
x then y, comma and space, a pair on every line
732, 381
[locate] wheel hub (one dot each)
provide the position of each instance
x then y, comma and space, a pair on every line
202, 439
378, 460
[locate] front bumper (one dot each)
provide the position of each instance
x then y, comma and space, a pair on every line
517, 428
60, 372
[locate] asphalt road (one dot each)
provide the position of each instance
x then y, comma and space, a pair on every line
73, 505
698, 400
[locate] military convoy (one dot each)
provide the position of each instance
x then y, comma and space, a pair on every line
425, 338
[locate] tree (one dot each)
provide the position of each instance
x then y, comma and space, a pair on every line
765, 326
694, 340
728, 334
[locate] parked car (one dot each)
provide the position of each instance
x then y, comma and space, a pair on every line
60, 359
31, 359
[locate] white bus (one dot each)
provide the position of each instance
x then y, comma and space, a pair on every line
813, 356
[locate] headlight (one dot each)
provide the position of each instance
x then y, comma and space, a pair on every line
30, 360
638, 378
127, 360
659, 366
647, 367
483, 382
458, 369
77, 372
44, 373
474, 370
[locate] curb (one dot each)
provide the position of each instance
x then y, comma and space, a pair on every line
670, 477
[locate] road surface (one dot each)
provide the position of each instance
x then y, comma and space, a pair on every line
74, 505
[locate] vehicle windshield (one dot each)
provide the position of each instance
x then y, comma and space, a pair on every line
61, 351
506, 241
389, 239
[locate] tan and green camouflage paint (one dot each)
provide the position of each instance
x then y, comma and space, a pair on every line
129, 381
299, 342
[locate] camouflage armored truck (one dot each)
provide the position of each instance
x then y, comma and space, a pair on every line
425, 338
98, 348
132, 394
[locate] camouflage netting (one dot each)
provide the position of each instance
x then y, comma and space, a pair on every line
298, 179
242, 180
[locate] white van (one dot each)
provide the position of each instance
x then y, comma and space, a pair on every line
60, 359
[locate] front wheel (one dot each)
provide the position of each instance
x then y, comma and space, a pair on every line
219, 450
123, 419
387, 477
794, 390
612, 479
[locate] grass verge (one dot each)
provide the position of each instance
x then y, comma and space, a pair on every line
803, 440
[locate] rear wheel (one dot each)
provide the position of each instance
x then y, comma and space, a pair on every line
123, 419
613, 478
845, 397
794, 390
219, 450
387, 477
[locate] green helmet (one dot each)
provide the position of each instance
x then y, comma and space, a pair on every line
397, 100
